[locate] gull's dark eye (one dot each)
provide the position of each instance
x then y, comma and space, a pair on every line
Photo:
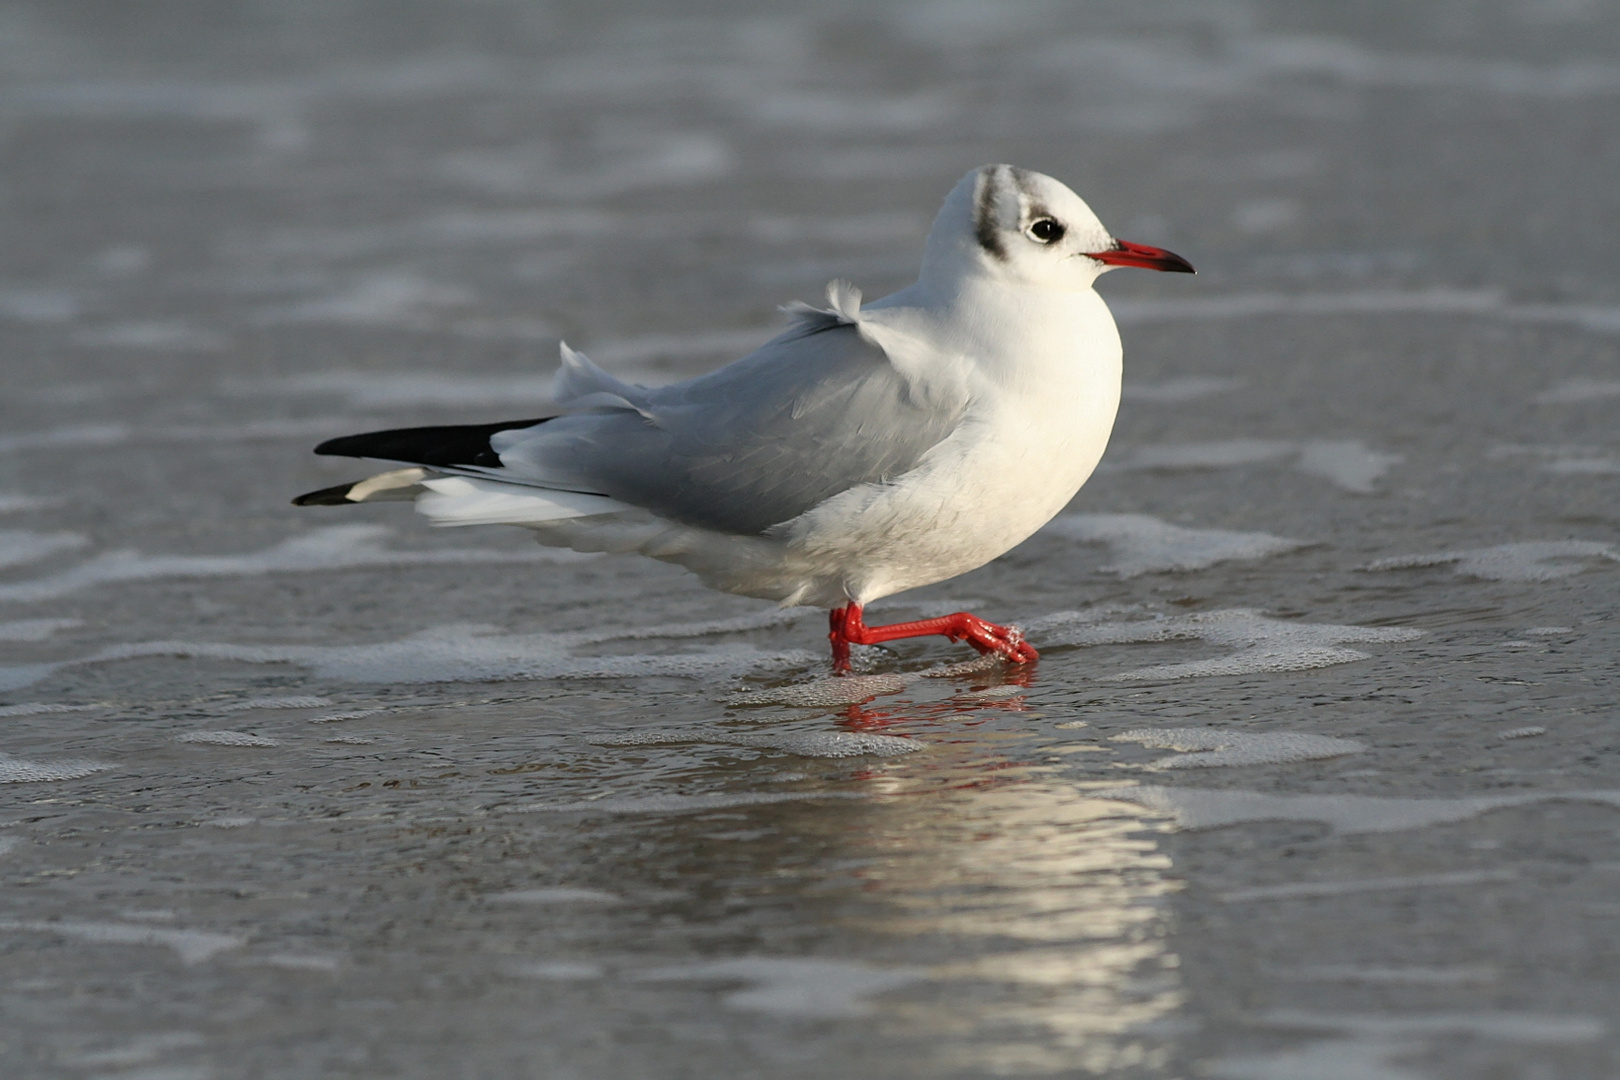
1046, 231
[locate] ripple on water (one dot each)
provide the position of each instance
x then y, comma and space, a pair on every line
1208, 747
816, 744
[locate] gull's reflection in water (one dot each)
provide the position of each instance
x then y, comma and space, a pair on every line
1045, 907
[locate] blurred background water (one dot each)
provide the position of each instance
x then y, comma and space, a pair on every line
1317, 776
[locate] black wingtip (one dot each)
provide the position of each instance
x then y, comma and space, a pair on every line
462, 444
331, 496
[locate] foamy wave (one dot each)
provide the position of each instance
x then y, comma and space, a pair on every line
800, 987
18, 546
554, 894
1507, 1027
347, 714
295, 701
1302, 889
457, 653
1565, 460
676, 804
817, 744
1144, 545
1546, 560
17, 771
1460, 975
191, 946
337, 547
1382, 1046
473, 653
1263, 644
35, 629
226, 738
841, 690
1348, 463
39, 709
1524, 732
1210, 747
1196, 808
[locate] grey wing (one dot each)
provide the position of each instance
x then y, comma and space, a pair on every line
815, 412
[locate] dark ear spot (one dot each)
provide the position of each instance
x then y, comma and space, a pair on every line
984, 218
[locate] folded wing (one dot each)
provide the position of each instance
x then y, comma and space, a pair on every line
814, 412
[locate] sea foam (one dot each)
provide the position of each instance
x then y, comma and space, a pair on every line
295, 701
475, 653
841, 690
818, 744
17, 771
19, 546
554, 894
35, 708
226, 738
35, 629
1207, 747
191, 946
1545, 560
1199, 808
1303, 890
1369, 1047
1347, 463
799, 987
336, 547
1139, 544
455, 653
1262, 643
676, 804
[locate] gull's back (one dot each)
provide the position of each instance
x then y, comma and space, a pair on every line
814, 412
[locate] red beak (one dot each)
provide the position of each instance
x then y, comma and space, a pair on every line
1125, 253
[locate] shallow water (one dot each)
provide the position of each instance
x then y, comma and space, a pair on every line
1317, 776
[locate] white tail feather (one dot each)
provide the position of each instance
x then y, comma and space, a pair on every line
465, 500
399, 485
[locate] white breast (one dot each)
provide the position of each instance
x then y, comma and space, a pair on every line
1044, 382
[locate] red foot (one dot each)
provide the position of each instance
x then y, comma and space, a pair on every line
846, 628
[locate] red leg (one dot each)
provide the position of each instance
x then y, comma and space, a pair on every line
847, 627
840, 643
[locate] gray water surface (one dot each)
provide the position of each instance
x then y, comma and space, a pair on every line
1317, 776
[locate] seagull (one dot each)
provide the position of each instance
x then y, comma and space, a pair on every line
865, 450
